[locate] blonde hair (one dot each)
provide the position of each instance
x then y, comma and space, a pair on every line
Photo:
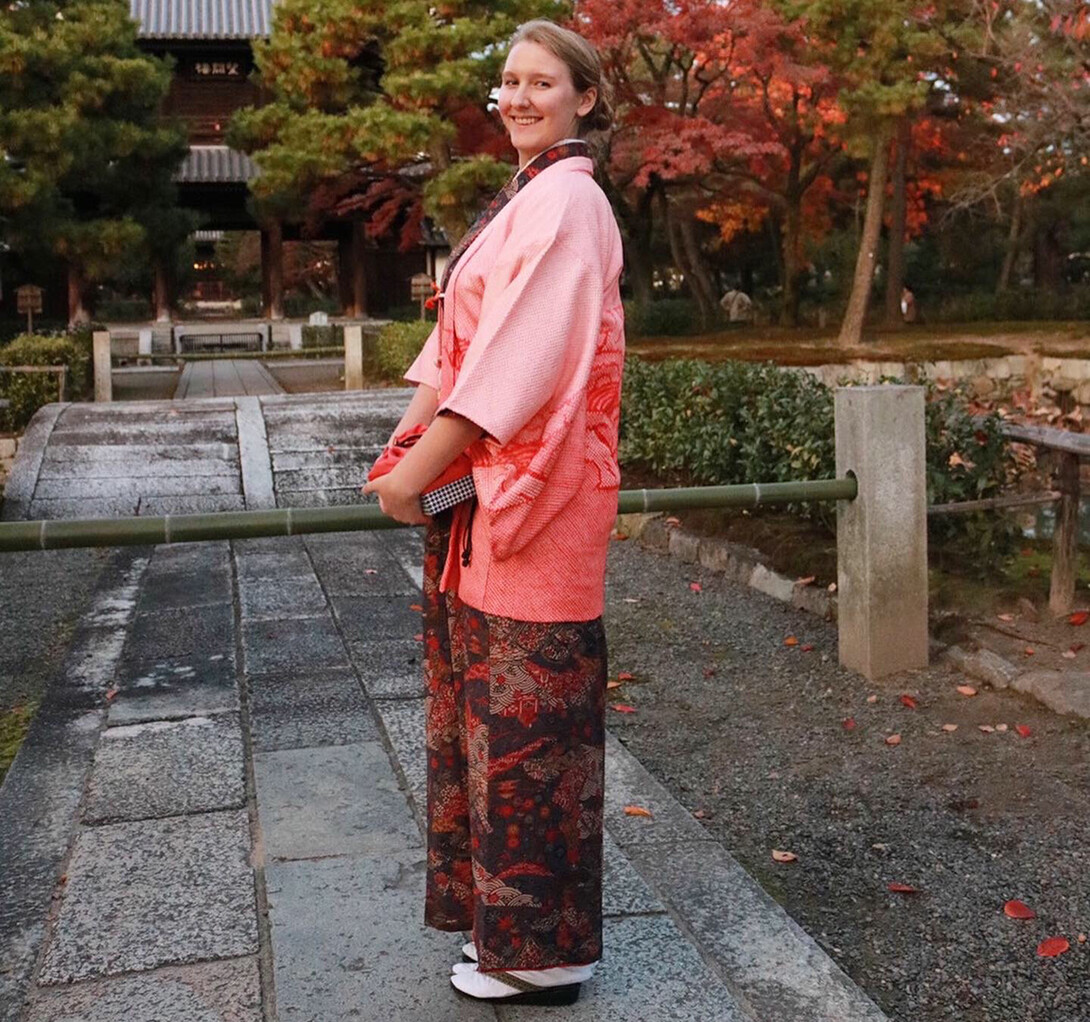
583, 64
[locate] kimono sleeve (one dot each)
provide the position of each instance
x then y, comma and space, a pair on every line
424, 369
540, 312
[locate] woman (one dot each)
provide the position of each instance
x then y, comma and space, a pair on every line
523, 372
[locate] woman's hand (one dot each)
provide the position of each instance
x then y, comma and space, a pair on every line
398, 503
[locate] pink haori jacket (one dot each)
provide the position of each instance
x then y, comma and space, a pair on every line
530, 347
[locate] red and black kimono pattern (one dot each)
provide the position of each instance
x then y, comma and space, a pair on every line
515, 744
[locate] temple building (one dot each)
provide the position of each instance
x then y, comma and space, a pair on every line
210, 42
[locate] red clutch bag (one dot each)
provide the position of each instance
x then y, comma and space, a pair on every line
451, 487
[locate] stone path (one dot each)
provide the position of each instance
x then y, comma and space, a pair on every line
212, 454
218, 816
226, 377
217, 813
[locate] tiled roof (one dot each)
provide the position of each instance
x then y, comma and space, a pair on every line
202, 19
212, 164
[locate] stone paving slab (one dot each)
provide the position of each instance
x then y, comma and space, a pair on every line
342, 800
121, 487
126, 880
325, 497
349, 943
292, 646
170, 634
367, 618
188, 459
774, 966
191, 686
390, 668
173, 590
269, 599
272, 564
129, 507
339, 457
188, 559
316, 708
166, 768
224, 991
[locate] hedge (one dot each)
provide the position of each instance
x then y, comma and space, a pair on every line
28, 392
738, 422
397, 346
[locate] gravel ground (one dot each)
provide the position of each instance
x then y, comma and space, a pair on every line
749, 732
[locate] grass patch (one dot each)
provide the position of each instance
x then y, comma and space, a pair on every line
14, 724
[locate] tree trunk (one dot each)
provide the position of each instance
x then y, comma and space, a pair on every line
1048, 259
272, 270
161, 293
1013, 237
638, 267
851, 330
703, 288
359, 269
77, 309
344, 276
791, 262
895, 271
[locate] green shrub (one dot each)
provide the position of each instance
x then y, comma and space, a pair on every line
738, 422
666, 317
397, 345
28, 392
124, 310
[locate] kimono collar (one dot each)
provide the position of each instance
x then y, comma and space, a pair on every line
554, 154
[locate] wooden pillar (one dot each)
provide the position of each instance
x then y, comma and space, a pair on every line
77, 311
344, 276
1065, 539
272, 270
162, 298
359, 270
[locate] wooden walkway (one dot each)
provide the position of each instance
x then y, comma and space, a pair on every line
226, 377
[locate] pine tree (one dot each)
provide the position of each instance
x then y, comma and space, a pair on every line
362, 91
88, 164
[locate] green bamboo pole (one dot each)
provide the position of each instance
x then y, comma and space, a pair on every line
111, 532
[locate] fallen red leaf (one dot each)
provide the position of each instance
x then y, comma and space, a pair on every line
804, 581
848, 723
416, 607
637, 811
695, 587
419, 637
908, 701
613, 684
370, 571
1024, 730
622, 707
1080, 617
902, 888
1005, 617
967, 690
893, 740
110, 694
1052, 947
673, 521
949, 727
624, 676
784, 856
790, 641
1029, 651
1018, 910
807, 648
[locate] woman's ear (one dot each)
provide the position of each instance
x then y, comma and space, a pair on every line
586, 103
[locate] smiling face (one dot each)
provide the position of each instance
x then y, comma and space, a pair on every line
538, 102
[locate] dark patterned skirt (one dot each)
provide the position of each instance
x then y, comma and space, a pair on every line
515, 743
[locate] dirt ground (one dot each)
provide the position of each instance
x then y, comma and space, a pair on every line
919, 343
775, 747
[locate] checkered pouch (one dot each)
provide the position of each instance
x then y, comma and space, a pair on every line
447, 495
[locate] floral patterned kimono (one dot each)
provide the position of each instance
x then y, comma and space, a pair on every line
529, 347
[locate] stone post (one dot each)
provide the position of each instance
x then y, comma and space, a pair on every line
103, 379
295, 336
881, 536
353, 357
143, 342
